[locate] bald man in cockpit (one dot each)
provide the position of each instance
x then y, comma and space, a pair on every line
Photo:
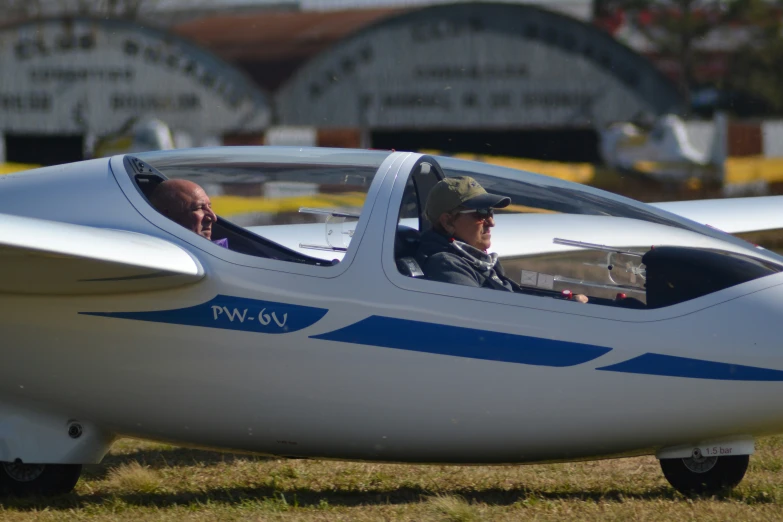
186, 203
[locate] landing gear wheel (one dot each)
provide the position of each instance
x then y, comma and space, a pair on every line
700, 475
23, 480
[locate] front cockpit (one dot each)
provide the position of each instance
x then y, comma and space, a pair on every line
561, 239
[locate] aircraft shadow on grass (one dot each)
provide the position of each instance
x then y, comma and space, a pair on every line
167, 458
306, 497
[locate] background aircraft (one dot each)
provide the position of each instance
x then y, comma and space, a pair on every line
137, 135
661, 150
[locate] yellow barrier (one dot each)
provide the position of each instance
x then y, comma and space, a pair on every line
576, 172
738, 170
9, 168
228, 206
753, 168
233, 205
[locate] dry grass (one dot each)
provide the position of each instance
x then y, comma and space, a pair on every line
133, 478
144, 481
453, 509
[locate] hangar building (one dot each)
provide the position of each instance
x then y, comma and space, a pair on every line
494, 78
66, 82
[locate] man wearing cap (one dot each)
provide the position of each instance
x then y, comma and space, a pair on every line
454, 250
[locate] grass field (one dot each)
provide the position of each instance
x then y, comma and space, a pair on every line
145, 481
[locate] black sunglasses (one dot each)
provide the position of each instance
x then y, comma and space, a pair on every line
479, 213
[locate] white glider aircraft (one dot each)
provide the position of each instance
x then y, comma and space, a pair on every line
316, 335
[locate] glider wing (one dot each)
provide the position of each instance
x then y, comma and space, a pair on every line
48, 257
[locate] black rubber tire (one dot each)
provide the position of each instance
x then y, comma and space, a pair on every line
54, 479
723, 476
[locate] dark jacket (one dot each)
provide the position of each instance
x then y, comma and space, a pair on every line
444, 259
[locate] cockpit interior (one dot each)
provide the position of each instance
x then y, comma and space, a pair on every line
556, 239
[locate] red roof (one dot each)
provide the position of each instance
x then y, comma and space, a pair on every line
271, 45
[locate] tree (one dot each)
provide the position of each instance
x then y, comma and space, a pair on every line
672, 29
111, 8
740, 38
755, 68
18, 10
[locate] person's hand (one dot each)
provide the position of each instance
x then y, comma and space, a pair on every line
579, 298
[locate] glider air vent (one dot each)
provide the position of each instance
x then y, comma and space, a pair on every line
138, 166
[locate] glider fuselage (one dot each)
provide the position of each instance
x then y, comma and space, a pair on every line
364, 363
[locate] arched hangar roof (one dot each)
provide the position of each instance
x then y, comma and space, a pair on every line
271, 45
278, 35
475, 65
81, 75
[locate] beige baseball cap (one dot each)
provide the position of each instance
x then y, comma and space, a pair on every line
452, 193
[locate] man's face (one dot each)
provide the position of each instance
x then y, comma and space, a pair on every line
196, 212
473, 229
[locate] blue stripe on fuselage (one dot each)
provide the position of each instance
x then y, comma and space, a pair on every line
250, 315
672, 366
457, 341
232, 313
